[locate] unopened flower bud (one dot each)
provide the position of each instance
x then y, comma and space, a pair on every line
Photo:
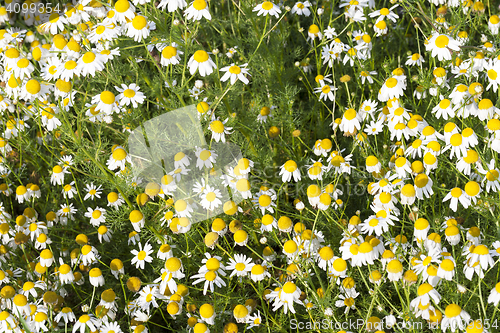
198, 84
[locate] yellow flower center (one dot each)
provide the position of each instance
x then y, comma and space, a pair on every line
169, 52
350, 114
23, 63
472, 188
107, 97
391, 82
456, 139
456, 192
200, 56
139, 22
234, 69
289, 288
199, 4
122, 6
267, 5
119, 154
313, 29
129, 93
173, 264
452, 310
217, 126
442, 41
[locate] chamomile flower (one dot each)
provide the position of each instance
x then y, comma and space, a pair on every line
65, 314
241, 266
326, 91
301, 8
415, 60
69, 190
492, 69
86, 320
104, 233
454, 317
442, 46
267, 8
115, 200
106, 101
457, 145
97, 216
22, 194
196, 10
285, 297
457, 195
116, 267
137, 220
235, 72
110, 327
289, 170
265, 112
446, 269
264, 200
351, 121
130, 95
205, 158
394, 270
57, 176
123, 10
380, 28
201, 61
170, 55
243, 187
118, 158
92, 191
391, 88
210, 278
481, 254
219, 130
494, 296
95, 277
325, 257
372, 164
139, 28
425, 294
66, 274
172, 5
375, 225
444, 109
211, 198
316, 170
314, 32
491, 177
183, 208
384, 13
142, 256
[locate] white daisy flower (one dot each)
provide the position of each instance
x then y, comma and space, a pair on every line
267, 8
201, 61
196, 10
442, 46
130, 95
235, 72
